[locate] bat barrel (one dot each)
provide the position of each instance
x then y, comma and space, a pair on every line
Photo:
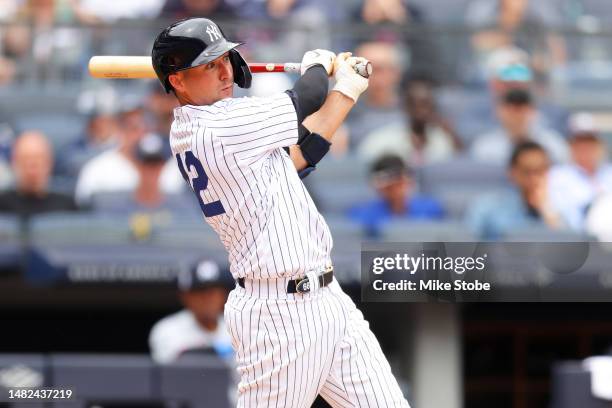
121, 67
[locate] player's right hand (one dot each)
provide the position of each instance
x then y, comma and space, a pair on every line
348, 81
314, 57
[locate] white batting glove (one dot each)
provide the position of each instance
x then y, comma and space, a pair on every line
348, 81
314, 57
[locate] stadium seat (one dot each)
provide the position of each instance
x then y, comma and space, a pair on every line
346, 169
442, 11
339, 183
426, 231
196, 381
60, 128
10, 241
19, 98
462, 107
106, 378
461, 171
188, 232
337, 198
540, 233
9, 228
79, 228
456, 199
347, 237
597, 8
571, 387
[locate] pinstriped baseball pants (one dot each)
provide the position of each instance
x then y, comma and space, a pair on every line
291, 347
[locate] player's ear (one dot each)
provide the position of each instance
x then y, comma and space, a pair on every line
176, 81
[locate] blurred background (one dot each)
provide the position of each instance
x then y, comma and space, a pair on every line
484, 120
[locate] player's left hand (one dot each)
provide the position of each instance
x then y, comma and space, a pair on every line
348, 81
314, 57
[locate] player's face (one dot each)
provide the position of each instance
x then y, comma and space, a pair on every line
205, 84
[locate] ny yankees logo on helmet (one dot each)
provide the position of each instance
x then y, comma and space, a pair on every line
193, 42
213, 32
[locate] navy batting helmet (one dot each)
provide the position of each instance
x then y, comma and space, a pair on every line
192, 42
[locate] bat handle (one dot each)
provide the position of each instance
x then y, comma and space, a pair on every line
363, 69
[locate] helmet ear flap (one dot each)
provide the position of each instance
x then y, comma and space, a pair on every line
242, 73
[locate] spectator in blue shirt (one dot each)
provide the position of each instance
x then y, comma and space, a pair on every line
527, 203
395, 185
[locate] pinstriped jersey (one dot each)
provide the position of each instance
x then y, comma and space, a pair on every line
231, 154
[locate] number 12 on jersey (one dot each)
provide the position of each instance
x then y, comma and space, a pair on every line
198, 184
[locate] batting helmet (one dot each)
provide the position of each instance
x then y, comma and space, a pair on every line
192, 42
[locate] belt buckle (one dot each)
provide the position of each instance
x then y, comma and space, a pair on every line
302, 285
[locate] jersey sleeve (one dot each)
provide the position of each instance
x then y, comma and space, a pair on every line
253, 127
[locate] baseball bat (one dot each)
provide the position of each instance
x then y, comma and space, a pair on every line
128, 67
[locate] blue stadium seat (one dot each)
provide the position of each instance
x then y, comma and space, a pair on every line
10, 241
31, 97
597, 8
336, 198
582, 85
540, 233
339, 182
461, 171
456, 199
105, 378
571, 387
9, 228
346, 169
61, 128
426, 231
199, 381
79, 228
442, 11
463, 107
346, 252
190, 235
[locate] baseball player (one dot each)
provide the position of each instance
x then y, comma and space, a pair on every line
296, 334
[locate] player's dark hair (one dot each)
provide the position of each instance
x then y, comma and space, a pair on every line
522, 148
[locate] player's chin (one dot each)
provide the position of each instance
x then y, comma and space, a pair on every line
227, 92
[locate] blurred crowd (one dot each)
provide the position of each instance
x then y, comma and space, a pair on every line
489, 111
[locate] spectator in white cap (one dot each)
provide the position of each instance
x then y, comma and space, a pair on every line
199, 327
576, 185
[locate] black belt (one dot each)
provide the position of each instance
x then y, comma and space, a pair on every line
302, 285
